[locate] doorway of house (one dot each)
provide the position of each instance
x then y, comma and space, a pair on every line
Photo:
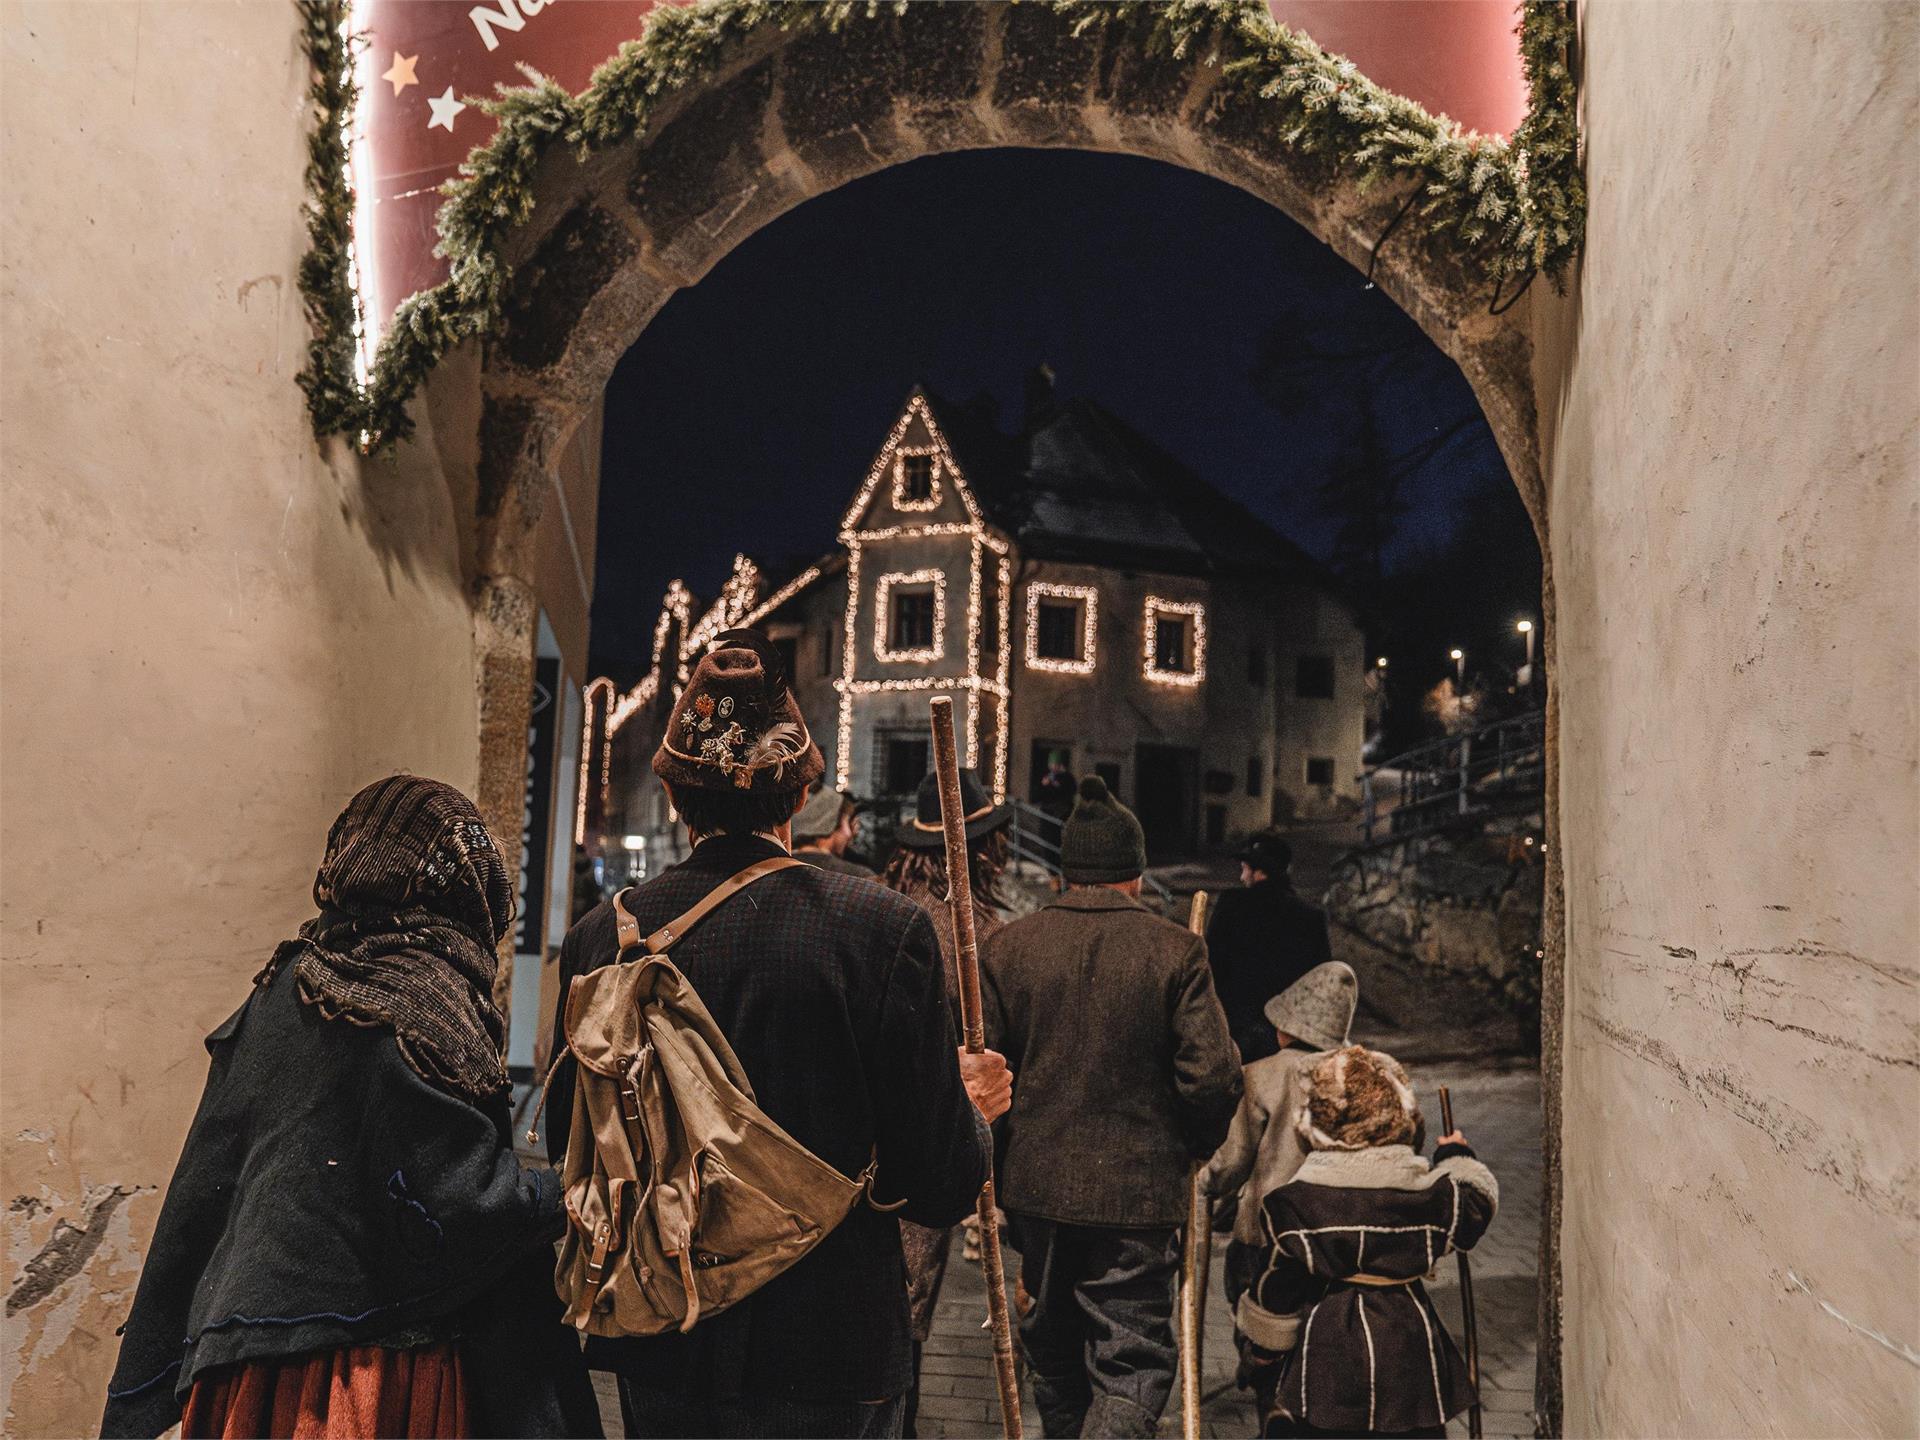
1166, 790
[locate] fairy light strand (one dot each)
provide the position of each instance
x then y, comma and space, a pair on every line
1196, 615
1088, 599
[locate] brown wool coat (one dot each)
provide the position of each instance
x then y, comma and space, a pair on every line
1124, 1071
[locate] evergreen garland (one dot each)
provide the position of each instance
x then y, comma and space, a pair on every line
1517, 207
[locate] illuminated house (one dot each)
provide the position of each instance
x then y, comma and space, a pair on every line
1074, 588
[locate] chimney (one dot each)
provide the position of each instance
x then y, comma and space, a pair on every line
1039, 393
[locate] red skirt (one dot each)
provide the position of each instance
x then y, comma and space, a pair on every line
352, 1394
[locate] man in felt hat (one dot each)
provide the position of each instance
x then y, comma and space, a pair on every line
830, 991
1264, 1146
1262, 938
1126, 1076
823, 830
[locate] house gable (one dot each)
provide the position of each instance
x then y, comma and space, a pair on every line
913, 482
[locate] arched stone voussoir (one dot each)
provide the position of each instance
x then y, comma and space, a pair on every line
789, 115
522, 434
576, 304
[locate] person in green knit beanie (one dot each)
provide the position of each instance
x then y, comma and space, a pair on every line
1127, 1074
1102, 843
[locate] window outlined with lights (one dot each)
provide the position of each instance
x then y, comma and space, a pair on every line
916, 477
1174, 642
910, 617
1046, 633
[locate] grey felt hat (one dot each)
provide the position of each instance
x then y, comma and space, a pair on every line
821, 814
1318, 1007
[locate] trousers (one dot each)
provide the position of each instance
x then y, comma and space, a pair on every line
1098, 1339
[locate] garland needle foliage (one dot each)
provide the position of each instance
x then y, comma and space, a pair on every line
1515, 206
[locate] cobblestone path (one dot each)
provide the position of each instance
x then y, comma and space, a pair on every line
1498, 1109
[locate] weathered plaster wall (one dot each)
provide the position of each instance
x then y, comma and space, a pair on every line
213, 633
1732, 472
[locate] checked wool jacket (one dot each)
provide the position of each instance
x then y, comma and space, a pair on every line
831, 991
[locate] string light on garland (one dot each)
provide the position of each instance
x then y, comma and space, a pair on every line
1511, 207
1088, 599
1195, 614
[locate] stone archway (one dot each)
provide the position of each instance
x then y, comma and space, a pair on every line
792, 116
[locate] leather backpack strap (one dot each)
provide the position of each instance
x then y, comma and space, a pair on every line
676, 929
627, 927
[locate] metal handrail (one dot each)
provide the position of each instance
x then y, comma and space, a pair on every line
1456, 777
1027, 840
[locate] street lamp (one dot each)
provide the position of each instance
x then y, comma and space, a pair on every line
1381, 663
1459, 658
1525, 627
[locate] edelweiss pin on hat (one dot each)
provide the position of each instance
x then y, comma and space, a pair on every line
736, 726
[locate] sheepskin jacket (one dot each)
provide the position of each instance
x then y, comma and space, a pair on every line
1339, 1305
1263, 1147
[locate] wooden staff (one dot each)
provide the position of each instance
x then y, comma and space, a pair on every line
966, 960
1469, 1325
1196, 1260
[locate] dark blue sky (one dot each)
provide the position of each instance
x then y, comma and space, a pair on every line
746, 414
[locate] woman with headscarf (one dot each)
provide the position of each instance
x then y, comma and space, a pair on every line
918, 870
348, 1246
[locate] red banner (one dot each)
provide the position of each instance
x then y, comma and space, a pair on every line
424, 61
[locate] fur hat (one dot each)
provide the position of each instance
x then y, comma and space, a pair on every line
1318, 1007
1358, 1099
1101, 843
736, 726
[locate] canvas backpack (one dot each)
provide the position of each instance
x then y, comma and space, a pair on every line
682, 1196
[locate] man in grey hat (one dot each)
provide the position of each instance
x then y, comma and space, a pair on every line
1125, 1075
1264, 1146
823, 830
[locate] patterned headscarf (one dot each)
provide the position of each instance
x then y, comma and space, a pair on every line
413, 897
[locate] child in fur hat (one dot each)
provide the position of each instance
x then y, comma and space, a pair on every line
1339, 1315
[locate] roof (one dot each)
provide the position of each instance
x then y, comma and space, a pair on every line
1080, 484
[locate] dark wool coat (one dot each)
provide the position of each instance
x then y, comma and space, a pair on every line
830, 990
1366, 1357
1260, 940
328, 1196
1123, 1070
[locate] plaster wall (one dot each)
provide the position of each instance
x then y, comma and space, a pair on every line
1731, 435
214, 632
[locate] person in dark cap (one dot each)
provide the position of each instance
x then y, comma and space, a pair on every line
823, 830
1127, 1075
918, 870
1262, 938
831, 992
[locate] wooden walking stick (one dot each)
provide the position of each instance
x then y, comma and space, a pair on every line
1196, 1259
966, 962
1468, 1323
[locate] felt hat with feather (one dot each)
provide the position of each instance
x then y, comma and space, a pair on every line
737, 726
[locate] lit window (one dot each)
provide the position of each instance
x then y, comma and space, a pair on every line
916, 479
1060, 627
910, 617
1175, 642
1313, 677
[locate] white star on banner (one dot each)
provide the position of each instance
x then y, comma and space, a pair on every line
445, 107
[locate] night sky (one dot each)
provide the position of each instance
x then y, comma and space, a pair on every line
747, 413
